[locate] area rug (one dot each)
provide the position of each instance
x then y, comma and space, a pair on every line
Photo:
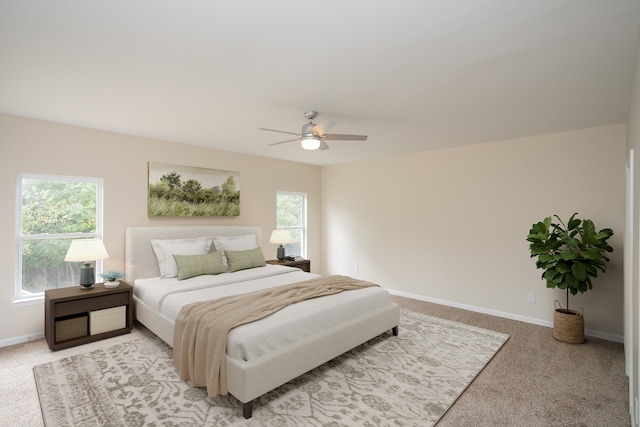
408, 380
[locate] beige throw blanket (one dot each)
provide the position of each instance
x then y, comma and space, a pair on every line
201, 329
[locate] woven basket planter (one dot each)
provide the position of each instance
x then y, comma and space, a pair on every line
568, 326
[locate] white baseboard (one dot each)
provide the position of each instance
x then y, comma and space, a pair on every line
22, 339
512, 316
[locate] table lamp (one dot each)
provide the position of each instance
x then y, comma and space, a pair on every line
86, 250
281, 237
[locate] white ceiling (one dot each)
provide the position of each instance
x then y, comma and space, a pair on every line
413, 75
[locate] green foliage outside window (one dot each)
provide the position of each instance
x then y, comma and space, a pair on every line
52, 212
290, 208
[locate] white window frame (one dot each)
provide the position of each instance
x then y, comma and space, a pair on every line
20, 295
303, 228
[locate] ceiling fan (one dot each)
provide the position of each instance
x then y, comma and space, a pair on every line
313, 135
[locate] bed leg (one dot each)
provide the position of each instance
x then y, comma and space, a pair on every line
247, 409
395, 331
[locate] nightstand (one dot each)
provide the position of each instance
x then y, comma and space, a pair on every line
303, 264
74, 316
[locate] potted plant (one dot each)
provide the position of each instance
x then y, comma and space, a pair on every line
111, 278
570, 255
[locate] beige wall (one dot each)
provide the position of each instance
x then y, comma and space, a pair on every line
445, 225
450, 225
32, 146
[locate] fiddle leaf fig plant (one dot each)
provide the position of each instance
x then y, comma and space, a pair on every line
570, 254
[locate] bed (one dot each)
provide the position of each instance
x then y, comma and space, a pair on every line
267, 353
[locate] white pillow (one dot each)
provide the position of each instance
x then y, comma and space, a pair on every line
234, 243
166, 249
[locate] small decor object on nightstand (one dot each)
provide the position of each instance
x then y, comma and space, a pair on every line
111, 278
86, 250
281, 237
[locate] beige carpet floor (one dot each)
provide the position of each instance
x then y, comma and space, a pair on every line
534, 380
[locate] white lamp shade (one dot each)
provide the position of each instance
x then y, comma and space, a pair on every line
83, 250
281, 237
310, 143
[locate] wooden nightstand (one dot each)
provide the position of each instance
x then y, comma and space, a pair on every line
74, 316
303, 264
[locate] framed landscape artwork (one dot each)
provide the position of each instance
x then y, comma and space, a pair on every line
176, 190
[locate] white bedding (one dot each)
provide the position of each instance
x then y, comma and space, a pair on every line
252, 340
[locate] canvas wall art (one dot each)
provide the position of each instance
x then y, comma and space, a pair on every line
176, 190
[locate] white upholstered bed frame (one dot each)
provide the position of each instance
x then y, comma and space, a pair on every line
248, 380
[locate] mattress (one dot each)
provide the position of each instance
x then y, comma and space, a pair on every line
167, 296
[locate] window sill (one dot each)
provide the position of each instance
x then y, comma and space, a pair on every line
36, 299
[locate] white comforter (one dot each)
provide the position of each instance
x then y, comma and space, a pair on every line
167, 296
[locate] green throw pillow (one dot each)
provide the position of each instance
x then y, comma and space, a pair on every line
241, 260
197, 265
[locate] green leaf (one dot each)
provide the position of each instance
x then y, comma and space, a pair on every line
543, 265
588, 281
562, 284
572, 243
592, 254
537, 249
579, 271
550, 274
541, 229
588, 232
591, 271
568, 255
573, 223
563, 267
552, 277
604, 234
546, 258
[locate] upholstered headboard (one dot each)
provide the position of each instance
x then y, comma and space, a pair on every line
140, 259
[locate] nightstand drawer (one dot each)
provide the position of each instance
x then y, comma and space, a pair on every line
108, 319
67, 329
91, 304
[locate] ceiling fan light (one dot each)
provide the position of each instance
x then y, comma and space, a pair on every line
310, 143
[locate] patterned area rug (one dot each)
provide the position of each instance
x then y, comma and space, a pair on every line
409, 380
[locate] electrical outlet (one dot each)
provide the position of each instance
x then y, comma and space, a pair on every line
356, 270
531, 298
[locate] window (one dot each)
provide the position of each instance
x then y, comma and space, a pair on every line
291, 214
52, 211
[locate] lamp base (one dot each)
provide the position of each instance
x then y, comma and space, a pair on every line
87, 276
280, 254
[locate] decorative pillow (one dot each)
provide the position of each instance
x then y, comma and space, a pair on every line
165, 249
197, 265
234, 243
242, 260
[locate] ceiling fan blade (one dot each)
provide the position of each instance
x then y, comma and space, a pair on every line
282, 142
322, 127
323, 146
343, 137
280, 131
